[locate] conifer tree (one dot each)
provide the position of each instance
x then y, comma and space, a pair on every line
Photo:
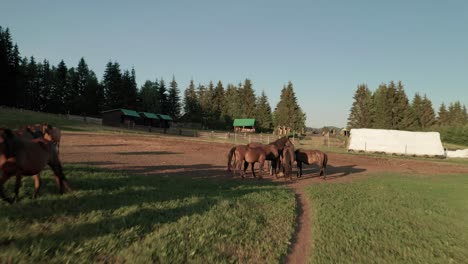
404, 116
112, 84
361, 112
163, 100
232, 105
287, 112
382, 117
174, 100
150, 97
218, 101
247, 95
417, 108
427, 117
442, 117
191, 106
263, 117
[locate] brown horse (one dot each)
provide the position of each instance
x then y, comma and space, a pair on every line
19, 156
272, 154
238, 152
253, 155
310, 157
287, 160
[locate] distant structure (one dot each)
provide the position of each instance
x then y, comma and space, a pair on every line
244, 125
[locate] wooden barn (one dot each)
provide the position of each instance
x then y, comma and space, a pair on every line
120, 117
244, 125
149, 119
164, 121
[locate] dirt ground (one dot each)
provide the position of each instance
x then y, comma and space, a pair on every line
185, 157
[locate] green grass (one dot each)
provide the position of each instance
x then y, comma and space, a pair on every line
391, 218
119, 217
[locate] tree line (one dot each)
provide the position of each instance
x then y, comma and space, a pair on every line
40, 86
388, 107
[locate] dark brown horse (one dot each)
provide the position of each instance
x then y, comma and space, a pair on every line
272, 154
287, 160
310, 157
20, 156
238, 152
253, 155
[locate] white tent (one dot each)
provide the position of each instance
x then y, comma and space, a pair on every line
396, 141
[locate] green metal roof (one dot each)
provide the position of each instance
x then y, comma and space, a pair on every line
124, 111
149, 115
244, 122
165, 117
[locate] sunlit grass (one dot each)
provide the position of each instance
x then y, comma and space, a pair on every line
119, 217
391, 218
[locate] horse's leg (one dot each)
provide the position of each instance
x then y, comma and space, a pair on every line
17, 187
37, 185
245, 168
299, 165
253, 169
261, 164
59, 176
3, 179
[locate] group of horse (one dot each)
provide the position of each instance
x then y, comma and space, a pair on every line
280, 153
25, 152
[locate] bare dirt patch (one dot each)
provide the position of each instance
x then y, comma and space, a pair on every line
172, 156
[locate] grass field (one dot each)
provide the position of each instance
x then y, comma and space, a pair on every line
117, 217
391, 218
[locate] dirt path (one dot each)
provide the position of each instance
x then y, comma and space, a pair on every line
182, 157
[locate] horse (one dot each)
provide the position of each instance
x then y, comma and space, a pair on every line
52, 134
20, 156
287, 160
239, 153
272, 154
253, 155
310, 157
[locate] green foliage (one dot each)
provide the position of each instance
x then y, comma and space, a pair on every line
192, 110
361, 112
391, 219
263, 114
174, 100
288, 112
456, 134
118, 217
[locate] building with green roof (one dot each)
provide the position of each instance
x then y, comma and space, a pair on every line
120, 117
244, 125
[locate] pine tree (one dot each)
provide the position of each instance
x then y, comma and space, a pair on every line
231, 106
162, 95
427, 118
112, 82
263, 115
174, 100
129, 90
382, 117
360, 115
442, 118
404, 116
93, 95
417, 108
45, 85
287, 112
150, 97
192, 111
218, 101
32, 85
248, 99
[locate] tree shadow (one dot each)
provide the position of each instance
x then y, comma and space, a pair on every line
96, 163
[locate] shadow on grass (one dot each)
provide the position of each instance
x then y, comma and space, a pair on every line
150, 200
104, 145
333, 172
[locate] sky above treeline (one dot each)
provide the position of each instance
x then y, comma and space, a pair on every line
325, 48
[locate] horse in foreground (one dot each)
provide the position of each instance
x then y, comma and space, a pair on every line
310, 157
238, 153
22, 156
287, 159
253, 155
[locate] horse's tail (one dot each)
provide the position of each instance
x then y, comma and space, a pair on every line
287, 164
230, 154
325, 160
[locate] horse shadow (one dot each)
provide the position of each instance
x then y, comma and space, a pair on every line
333, 172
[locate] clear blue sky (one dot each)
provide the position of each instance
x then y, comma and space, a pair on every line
326, 48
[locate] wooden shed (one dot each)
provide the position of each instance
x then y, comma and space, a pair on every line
164, 121
244, 125
120, 117
149, 119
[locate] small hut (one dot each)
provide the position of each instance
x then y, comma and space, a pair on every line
244, 125
164, 121
149, 119
120, 117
